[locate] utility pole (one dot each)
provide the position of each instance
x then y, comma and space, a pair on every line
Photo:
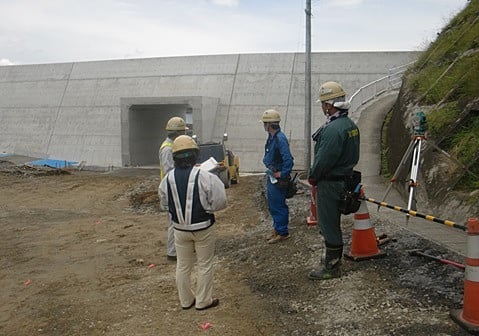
307, 88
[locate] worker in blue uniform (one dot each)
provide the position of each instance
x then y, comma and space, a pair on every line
279, 163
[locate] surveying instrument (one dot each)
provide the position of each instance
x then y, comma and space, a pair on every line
414, 148
413, 153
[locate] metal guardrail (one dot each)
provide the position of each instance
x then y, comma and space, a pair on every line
384, 84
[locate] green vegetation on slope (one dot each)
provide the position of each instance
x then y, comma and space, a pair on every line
449, 67
446, 78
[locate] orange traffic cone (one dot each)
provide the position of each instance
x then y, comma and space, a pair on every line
468, 316
313, 219
364, 243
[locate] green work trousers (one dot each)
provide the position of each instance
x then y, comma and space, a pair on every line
327, 202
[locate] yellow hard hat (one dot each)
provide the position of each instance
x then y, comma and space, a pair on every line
330, 90
184, 142
271, 116
176, 124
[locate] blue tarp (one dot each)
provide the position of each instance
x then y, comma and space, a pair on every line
4, 154
53, 163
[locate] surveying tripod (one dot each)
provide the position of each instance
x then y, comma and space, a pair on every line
414, 148
419, 123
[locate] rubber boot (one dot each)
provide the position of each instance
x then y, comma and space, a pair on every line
331, 265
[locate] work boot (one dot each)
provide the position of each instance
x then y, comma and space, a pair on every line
326, 274
278, 238
272, 235
331, 265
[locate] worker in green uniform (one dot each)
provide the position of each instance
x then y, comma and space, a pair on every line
336, 152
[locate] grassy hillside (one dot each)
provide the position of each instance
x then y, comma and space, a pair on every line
445, 81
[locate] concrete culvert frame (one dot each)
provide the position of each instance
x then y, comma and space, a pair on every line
143, 122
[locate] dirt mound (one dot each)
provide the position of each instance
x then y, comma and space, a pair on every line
7, 167
143, 198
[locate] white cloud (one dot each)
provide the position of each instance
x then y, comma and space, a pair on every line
4, 61
345, 3
33, 31
228, 3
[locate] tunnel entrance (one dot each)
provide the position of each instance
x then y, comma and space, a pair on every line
147, 130
143, 122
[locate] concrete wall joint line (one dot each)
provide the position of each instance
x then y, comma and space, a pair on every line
35, 108
119, 77
289, 92
149, 76
231, 95
58, 110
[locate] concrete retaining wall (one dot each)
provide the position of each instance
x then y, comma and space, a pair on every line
106, 112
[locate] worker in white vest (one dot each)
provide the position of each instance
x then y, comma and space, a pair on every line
192, 196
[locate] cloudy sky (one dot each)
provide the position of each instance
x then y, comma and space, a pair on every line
54, 31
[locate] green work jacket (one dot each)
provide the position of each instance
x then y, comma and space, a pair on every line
336, 151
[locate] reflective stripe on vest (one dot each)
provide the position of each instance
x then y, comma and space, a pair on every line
185, 221
165, 143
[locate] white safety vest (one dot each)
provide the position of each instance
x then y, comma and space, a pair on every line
185, 221
212, 196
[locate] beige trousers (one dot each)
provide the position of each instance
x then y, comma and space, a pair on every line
170, 243
187, 243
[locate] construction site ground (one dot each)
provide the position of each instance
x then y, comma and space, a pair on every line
83, 253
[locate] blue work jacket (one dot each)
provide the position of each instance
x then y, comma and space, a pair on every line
277, 155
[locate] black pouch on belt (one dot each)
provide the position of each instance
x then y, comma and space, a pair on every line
289, 184
349, 200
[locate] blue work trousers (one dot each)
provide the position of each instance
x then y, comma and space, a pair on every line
277, 207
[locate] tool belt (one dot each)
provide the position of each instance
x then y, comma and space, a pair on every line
335, 178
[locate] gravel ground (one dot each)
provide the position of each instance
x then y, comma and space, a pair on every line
399, 294
84, 254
